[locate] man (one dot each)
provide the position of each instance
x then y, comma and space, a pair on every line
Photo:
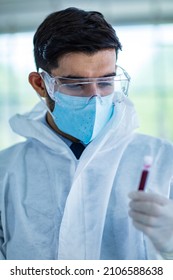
64, 192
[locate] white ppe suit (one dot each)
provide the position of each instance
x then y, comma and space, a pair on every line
53, 206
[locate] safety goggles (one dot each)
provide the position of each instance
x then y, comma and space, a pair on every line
87, 87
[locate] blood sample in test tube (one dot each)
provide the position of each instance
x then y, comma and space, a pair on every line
145, 171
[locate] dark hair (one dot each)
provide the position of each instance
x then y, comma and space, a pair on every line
72, 30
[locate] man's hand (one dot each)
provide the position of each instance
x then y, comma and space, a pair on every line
153, 215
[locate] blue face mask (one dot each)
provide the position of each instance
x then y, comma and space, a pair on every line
81, 117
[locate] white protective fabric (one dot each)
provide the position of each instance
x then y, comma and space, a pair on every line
54, 206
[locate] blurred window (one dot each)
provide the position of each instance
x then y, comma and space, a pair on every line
147, 56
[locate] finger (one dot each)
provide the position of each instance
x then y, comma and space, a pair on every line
152, 197
147, 208
145, 229
144, 219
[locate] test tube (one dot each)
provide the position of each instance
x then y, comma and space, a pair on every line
145, 171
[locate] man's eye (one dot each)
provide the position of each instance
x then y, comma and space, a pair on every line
74, 86
105, 84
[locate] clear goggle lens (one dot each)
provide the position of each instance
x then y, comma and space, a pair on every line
88, 87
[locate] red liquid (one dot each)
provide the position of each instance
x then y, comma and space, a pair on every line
143, 180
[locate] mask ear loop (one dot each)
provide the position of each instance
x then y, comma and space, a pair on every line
43, 99
45, 105
49, 84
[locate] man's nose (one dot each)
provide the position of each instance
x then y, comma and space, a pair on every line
92, 89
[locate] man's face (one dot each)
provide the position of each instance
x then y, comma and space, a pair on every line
81, 65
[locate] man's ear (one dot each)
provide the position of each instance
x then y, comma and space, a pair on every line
37, 83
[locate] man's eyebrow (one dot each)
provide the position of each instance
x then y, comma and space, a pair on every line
80, 77
109, 75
